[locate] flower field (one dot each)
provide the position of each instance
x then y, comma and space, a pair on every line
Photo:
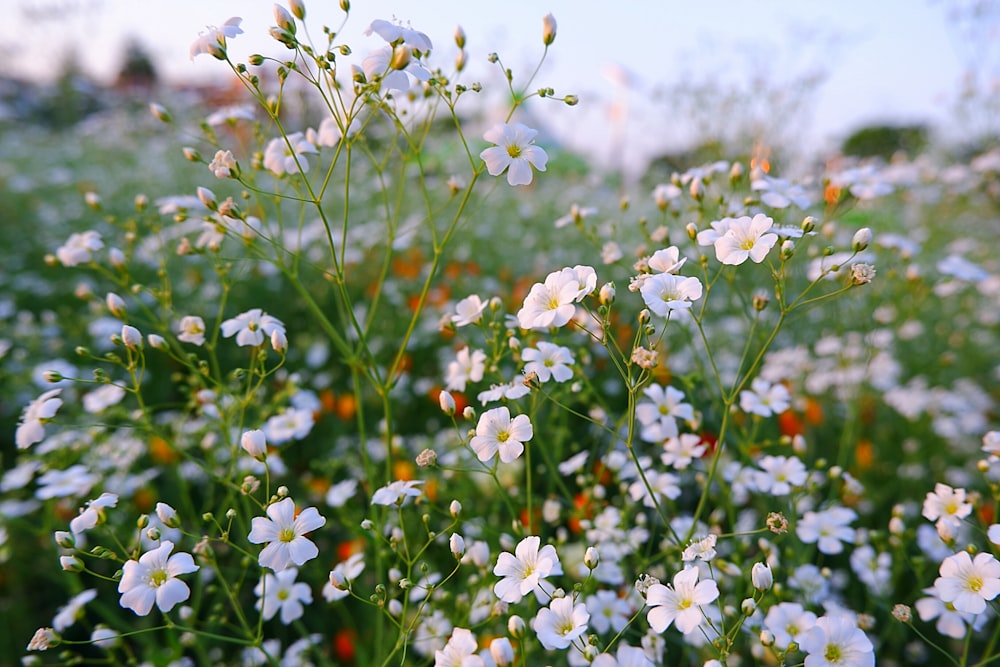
357, 371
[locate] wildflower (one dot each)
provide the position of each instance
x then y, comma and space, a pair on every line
394, 33
550, 304
950, 622
38, 413
680, 603
470, 310
292, 424
395, 68
560, 623
968, 583
396, 493
460, 651
946, 506
213, 42
496, 433
703, 549
828, 528
524, 570
514, 152
548, 361
79, 248
341, 576
862, 274
468, 366
872, 569
102, 398
286, 155
644, 358
576, 214
779, 474
666, 292
663, 484
608, 611
71, 611
284, 534
280, 592
837, 642
93, 514
662, 407
765, 399
223, 164
780, 193
153, 578
681, 450
788, 622
745, 238
251, 326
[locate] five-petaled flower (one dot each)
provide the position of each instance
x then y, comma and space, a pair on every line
35, 416
514, 151
285, 535
681, 603
251, 327
968, 583
665, 292
280, 592
745, 238
524, 570
497, 432
153, 579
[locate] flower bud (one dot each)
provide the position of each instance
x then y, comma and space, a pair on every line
254, 443
447, 402
457, 545
748, 606
401, 55
571, 100
455, 508
459, 37
515, 626
766, 638
591, 558
52, 376
207, 197
284, 19
131, 337
298, 9
861, 239
644, 316
168, 515
761, 576
115, 304
469, 413
160, 112
607, 294
548, 29
279, 341
502, 652
65, 539
71, 563
93, 200
339, 581
157, 341
191, 154
808, 224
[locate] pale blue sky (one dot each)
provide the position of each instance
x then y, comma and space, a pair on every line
884, 60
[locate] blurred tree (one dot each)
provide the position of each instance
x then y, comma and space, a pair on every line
72, 98
884, 141
137, 70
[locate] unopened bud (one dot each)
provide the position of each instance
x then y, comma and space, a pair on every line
808, 224
156, 341
459, 37
298, 9
254, 443
548, 29
692, 230
207, 197
760, 302
93, 200
401, 55
571, 100
191, 155
447, 402
160, 112
455, 508
591, 558
279, 341
284, 19
131, 337
515, 626
115, 304
607, 294
71, 563
761, 576
861, 239
457, 545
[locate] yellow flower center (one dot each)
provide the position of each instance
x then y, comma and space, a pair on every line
503, 436
974, 583
514, 151
286, 535
157, 578
832, 653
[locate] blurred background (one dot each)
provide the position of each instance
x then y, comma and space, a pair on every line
656, 80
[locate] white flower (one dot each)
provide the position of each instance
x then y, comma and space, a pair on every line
468, 366
765, 399
666, 260
153, 579
460, 651
94, 512
745, 238
67, 614
394, 33
837, 642
560, 623
286, 155
470, 310
681, 603
191, 330
78, 248
280, 592
292, 424
608, 611
223, 164
396, 493
968, 583
662, 407
828, 528
665, 292
548, 361
524, 570
35, 416
550, 304
779, 474
788, 622
679, 451
102, 398
950, 622
284, 534
514, 151
251, 326
213, 41
338, 494
946, 505
779, 193
341, 576
496, 433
